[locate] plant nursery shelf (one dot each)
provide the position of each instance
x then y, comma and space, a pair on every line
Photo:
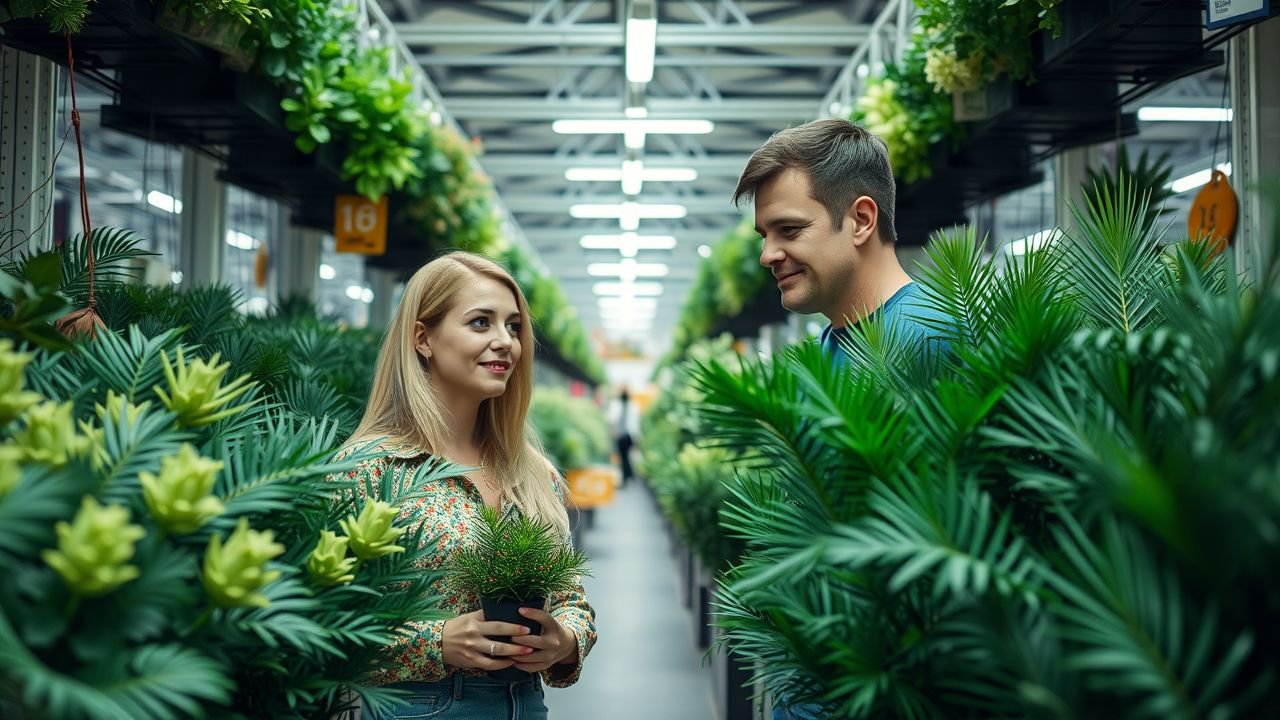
551, 356
1141, 44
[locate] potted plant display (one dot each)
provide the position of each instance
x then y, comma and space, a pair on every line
515, 562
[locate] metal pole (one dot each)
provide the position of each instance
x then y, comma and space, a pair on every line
1255, 136
28, 118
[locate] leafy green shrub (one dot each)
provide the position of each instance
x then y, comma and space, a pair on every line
1069, 517
573, 430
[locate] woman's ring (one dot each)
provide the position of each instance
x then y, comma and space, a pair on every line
492, 646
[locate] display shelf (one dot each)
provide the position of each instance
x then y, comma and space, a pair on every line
1142, 44
551, 356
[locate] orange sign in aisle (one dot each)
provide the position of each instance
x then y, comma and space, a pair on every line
591, 487
360, 225
1213, 214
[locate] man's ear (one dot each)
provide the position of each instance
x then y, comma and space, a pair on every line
864, 215
420, 341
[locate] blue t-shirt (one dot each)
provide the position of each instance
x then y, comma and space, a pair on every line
902, 315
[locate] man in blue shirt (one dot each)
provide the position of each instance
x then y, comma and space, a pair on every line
824, 205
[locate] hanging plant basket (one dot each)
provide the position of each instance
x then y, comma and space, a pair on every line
222, 34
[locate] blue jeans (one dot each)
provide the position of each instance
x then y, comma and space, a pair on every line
459, 697
797, 712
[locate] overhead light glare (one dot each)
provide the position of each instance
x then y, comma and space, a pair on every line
1184, 114
625, 125
164, 201
1196, 179
642, 41
634, 289
327, 272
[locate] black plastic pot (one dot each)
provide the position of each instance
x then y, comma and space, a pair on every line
508, 611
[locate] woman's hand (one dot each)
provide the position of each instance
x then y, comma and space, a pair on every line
556, 645
466, 646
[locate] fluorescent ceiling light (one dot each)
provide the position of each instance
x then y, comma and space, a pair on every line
164, 201
628, 269
636, 112
623, 303
642, 41
176, 277
356, 292
1184, 114
1196, 179
628, 243
704, 251
649, 211
603, 289
621, 126
632, 180
633, 139
593, 174
237, 239
327, 272
648, 174
366, 295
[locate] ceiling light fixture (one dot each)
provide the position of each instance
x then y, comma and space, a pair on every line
625, 125
647, 211
632, 177
614, 303
1196, 179
1184, 114
628, 270
642, 40
628, 243
624, 289
164, 201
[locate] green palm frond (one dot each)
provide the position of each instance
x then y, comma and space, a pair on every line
53, 692
1115, 263
1139, 634
115, 256
167, 681
210, 311
958, 283
132, 447
130, 367
282, 470
947, 532
29, 510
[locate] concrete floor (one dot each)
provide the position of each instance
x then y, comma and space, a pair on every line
645, 665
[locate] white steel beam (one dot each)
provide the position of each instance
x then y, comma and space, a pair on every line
771, 112
530, 204
558, 60
432, 34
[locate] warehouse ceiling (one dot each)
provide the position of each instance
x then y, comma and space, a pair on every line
508, 69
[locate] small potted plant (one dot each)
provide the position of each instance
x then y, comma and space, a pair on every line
512, 563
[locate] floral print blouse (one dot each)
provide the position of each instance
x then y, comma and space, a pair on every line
449, 507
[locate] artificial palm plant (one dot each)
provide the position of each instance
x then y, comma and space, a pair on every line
1073, 515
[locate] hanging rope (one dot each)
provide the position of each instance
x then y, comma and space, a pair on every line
84, 321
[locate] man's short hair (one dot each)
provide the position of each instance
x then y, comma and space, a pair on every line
843, 162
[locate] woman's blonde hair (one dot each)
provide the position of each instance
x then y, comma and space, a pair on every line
405, 411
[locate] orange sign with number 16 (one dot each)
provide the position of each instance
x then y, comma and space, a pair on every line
360, 225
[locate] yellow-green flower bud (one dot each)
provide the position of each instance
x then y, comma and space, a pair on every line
94, 549
195, 390
13, 399
115, 403
10, 471
372, 535
97, 444
179, 497
328, 563
234, 572
49, 434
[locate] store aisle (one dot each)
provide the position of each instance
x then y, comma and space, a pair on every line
645, 666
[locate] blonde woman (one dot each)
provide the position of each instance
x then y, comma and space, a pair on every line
453, 380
